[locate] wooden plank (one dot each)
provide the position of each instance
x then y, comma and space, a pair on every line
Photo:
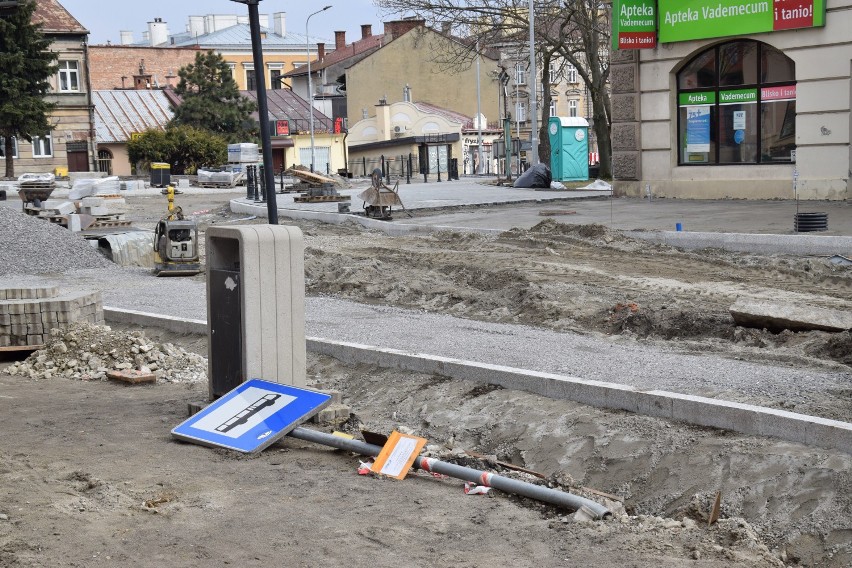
14, 348
309, 177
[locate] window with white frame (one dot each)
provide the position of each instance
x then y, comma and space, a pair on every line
3, 147
521, 111
553, 70
552, 107
571, 73
69, 77
520, 74
43, 146
572, 108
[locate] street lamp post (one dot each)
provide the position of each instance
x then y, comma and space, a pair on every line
533, 101
310, 84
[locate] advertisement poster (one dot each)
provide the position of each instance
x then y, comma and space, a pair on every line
698, 129
683, 20
634, 24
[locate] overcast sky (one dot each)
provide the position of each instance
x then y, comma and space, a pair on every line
106, 19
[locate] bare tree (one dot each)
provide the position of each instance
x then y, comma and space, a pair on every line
575, 30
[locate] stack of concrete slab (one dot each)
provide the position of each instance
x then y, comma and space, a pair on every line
28, 314
243, 153
101, 205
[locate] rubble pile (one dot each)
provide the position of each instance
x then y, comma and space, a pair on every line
87, 352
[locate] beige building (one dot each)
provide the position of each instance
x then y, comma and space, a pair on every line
69, 146
755, 116
398, 133
407, 68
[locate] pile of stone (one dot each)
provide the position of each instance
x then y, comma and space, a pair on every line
33, 246
85, 351
28, 314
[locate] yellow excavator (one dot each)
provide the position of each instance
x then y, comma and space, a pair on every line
176, 242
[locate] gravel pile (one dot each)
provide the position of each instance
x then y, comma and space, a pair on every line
86, 352
33, 246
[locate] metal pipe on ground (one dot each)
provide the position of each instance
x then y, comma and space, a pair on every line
545, 494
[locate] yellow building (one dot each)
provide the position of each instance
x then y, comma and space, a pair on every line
230, 37
407, 67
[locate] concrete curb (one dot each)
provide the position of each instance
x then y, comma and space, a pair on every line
700, 411
805, 245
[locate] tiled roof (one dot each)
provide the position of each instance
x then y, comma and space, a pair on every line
119, 113
54, 18
240, 35
363, 47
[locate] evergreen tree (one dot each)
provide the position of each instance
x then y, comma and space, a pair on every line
211, 99
26, 64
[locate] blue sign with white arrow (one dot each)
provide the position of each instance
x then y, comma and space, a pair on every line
252, 416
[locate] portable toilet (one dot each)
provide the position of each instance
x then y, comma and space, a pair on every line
569, 148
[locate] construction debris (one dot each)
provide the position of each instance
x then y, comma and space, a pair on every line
85, 351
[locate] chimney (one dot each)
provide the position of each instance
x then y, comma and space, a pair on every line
126, 37
278, 21
383, 119
158, 32
397, 28
366, 30
320, 51
339, 40
446, 28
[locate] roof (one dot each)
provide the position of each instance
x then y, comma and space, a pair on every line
284, 104
363, 46
240, 36
54, 18
119, 113
450, 115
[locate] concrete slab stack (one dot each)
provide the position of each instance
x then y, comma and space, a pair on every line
28, 314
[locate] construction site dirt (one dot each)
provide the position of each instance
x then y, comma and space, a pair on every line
89, 475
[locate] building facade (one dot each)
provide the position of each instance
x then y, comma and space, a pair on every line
70, 145
742, 100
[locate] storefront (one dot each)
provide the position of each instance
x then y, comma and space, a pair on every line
742, 99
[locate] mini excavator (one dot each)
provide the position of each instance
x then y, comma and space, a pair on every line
176, 242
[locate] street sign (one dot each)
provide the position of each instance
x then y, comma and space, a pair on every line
252, 416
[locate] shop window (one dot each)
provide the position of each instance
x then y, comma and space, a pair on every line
42, 146
3, 147
737, 105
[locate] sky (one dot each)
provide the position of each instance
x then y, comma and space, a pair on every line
106, 19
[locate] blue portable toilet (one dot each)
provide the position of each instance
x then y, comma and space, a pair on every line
569, 148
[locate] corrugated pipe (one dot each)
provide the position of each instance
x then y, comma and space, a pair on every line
545, 494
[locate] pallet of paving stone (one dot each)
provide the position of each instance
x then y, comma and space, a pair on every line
28, 314
320, 198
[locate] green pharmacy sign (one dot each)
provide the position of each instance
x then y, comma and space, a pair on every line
697, 99
683, 20
634, 24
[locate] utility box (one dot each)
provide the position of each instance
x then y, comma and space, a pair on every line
161, 174
255, 306
569, 148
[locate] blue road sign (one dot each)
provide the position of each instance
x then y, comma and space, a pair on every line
252, 416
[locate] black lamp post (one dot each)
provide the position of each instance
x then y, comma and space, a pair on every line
262, 109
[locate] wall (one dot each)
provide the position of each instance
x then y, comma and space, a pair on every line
109, 63
238, 58
409, 60
645, 120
